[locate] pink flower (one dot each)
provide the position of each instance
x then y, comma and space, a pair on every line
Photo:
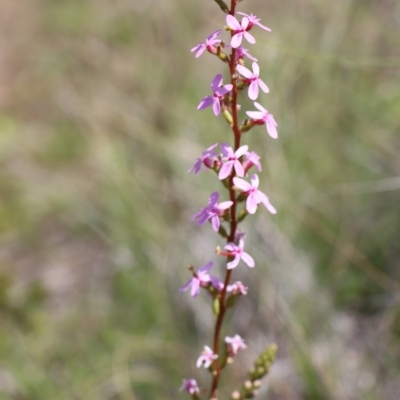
219, 94
200, 279
253, 20
252, 159
207, 158
217, 283
263, 116
206, 358
231, 161
190, 386
210, 43
253, 79
237, 288
238, 254
235, 344
254, 196
242, 52
240, 31
213, 211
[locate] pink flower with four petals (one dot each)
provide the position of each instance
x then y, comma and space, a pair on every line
219, 94
263, 116
190, 386
254, 196
232, 161
253, 20
210, 43
237, 252
206, 358
201, 278
207, 158
240, 31
213, 212
252, 78
235, 344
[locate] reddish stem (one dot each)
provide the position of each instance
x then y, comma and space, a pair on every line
233, 222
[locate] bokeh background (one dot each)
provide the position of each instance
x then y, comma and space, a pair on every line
98, 126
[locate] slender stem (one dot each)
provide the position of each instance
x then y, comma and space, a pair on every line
233, 222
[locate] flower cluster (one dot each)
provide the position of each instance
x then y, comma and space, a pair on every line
235, 167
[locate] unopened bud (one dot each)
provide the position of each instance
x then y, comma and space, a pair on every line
235, 395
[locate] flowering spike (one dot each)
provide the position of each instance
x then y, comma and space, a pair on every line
231, 165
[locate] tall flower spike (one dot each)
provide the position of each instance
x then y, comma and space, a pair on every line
219, 94
263, 116
253, 20
232, 161
253, 79
240, 30
212, 212
210, 44
254, 196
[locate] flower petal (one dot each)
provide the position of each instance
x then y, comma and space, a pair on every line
251, 203
249, 37
216, 107
239, 168
225, 170
259, 107
271, 129
263, 86
241, 151
256, 69
232, 22
234, 263
253, 90
244, 71
236, 40
255, 114
241, 184
216, 82
206, 102
255, 181
248, 259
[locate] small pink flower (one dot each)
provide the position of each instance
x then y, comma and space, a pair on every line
190, 386
238, 254
237, 288
242, 52
218, 96
235, 344
206, 358
263, 116
217, 283
253, 20
240, 31
254, 196
210, 44
253, 80
231, 161
207, 158
252, 159
212, 212
200, 279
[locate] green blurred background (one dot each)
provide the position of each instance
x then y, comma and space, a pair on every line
98, 126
